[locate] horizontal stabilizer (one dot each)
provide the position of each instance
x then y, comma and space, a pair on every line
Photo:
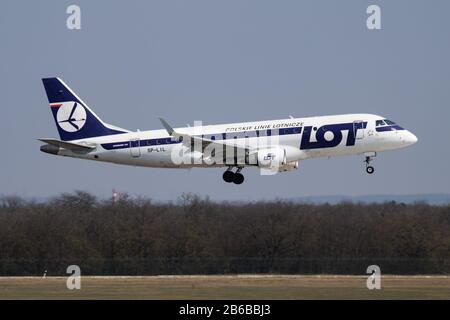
76, 147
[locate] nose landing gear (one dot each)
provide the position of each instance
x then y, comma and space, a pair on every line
369, 158
235, 177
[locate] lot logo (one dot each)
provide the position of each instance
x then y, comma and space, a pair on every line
330, 135
270, 156
71, 116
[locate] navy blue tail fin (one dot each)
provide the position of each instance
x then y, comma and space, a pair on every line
73, 117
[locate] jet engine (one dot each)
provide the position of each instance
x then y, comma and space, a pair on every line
275, 160
271, 158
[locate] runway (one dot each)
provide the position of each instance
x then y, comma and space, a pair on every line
227, 287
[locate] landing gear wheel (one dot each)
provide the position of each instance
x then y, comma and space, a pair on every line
228, 176
238, 178
370, 169
369, 157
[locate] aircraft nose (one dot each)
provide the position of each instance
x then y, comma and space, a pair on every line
410, 138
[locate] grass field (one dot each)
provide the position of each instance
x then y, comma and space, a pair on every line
227, 287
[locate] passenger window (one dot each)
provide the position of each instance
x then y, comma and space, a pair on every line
250, 134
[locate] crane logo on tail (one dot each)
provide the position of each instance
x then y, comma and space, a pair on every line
71, 115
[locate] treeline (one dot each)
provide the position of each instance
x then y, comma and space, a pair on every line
193, 235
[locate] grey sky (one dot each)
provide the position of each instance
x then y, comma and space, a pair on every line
226, 61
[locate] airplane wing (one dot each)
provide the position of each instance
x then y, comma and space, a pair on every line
76, 147
218, 146
187, 138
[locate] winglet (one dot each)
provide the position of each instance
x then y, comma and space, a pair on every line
167, 126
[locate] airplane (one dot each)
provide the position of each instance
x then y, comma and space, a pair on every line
273, 146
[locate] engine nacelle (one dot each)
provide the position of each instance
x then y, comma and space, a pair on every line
272, 158
277, 159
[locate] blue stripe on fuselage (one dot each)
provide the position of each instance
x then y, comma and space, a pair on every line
335, 128
214, 137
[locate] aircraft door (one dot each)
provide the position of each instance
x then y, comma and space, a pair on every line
135, 147
358, 129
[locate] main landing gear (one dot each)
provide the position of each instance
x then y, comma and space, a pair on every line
369, 158
235, 177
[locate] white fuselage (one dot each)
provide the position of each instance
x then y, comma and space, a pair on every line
303, 138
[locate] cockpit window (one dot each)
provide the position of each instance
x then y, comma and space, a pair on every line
379, 123
389, 122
